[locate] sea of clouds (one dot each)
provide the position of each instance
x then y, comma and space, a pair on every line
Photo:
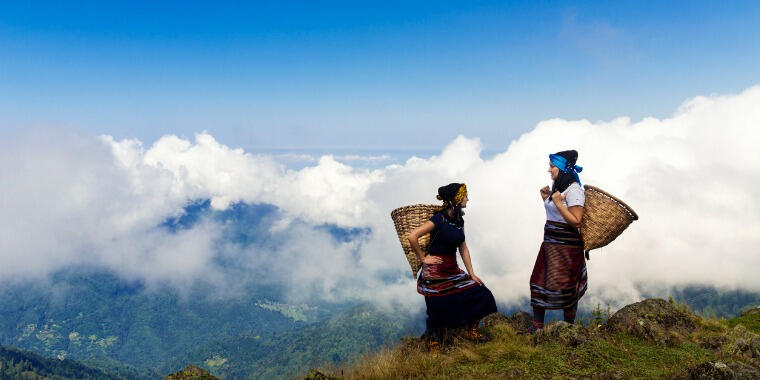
71, 199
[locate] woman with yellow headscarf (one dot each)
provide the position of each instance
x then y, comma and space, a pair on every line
453, 298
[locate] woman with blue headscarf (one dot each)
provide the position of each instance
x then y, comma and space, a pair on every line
559, 276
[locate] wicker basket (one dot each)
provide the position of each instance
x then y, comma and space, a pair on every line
604, 218
406, 219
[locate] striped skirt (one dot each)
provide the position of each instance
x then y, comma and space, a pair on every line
443, 279
559, 276
452, 297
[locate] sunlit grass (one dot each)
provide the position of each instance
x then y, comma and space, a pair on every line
509, 355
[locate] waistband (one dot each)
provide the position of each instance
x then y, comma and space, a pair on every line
562, 233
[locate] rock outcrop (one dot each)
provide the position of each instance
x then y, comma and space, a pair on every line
654, 320
520, 321
716, 370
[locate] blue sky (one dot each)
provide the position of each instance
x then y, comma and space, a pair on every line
378, 75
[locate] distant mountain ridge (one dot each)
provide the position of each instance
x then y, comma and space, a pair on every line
97, 315
355, 332
106, 323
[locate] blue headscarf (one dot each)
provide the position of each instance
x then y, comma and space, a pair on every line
566, 167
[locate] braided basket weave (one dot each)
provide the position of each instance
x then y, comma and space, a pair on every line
406, 219
604, 218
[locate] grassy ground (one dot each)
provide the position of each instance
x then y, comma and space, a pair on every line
750, 321
511, 355
600, 353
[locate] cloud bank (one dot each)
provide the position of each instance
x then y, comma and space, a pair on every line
70, 200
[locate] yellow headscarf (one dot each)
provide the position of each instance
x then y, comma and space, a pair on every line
461, 194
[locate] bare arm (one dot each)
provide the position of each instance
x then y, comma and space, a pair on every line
572, 215
414, 241
465, 253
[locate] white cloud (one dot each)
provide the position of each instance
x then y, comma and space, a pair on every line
295, 157
370, 158
74, 200
65, 203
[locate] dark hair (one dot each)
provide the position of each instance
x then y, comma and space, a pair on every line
448, 194
565, 179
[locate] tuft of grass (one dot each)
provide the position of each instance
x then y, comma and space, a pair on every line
598, 316
750, 321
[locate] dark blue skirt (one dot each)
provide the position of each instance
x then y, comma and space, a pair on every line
459, 309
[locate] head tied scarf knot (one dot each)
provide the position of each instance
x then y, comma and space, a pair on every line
566, 167
457, 198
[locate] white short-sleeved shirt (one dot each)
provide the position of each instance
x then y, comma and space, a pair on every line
573, 196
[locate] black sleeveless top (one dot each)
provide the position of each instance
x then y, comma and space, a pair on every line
447, 235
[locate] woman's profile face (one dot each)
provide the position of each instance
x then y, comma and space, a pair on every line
463, 203
553, 171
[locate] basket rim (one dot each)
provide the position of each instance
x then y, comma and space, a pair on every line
615, 199
399, 209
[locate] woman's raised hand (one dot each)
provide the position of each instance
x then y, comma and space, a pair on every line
557, 197
429, 259
545, 192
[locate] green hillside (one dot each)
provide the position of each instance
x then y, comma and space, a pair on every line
20, 364
351, 334
649, 339
105, 323
98, 317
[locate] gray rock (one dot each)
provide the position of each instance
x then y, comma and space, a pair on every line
519, 321
721, 371
654, 320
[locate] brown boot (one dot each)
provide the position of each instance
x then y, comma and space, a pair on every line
433, 346
474, 335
